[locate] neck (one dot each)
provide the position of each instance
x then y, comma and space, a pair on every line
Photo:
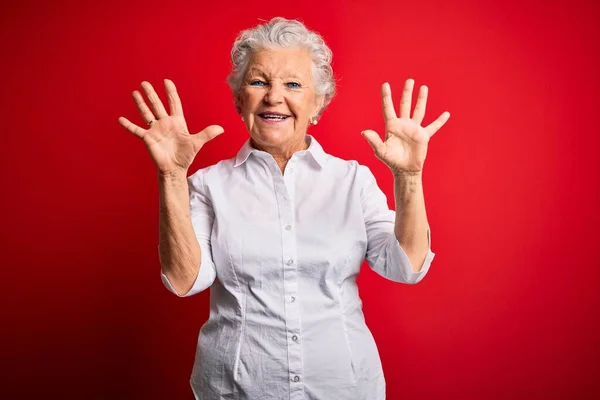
282, 154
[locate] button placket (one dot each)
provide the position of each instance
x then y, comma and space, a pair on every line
283, 186
290, 177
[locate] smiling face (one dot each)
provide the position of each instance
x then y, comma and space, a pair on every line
277, 98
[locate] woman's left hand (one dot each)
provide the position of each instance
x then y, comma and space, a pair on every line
405, 146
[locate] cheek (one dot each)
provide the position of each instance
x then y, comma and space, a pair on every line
248, 100
302, 106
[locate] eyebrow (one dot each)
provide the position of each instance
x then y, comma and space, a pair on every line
259, 71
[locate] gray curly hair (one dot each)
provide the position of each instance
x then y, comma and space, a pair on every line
281, 32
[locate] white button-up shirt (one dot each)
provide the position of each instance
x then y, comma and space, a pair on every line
281, 253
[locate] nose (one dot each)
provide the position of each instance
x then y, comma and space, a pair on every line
275, 94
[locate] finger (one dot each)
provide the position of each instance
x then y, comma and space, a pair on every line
419, 112
209, 133
438, 123
141, 105
406, 98
131, 127
174, 100
387, 104
374, 140
155, 103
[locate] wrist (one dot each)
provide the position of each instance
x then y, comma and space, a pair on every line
406, 174
172, 176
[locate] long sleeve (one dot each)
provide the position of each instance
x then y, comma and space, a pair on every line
202, 215
384, 253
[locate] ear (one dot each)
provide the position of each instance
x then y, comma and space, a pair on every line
320, 104
238, 104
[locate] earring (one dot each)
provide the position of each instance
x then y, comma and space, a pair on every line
242, 117
314, 121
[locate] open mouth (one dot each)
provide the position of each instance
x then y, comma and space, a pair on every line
273, 117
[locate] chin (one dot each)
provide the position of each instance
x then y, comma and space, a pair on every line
272, 137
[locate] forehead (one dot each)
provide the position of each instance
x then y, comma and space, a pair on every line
281, 62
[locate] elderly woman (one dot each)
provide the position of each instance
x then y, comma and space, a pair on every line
279, 232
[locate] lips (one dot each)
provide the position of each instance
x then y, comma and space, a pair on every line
273, 116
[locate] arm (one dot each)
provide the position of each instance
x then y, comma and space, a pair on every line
384, 254
186, 220
185, 216
404, 151
411, 226
179, 250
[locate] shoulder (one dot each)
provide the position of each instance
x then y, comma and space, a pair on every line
203, 177
348, 168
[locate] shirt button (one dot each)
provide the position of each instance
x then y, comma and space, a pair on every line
287, 228
296, 378
292, 299
290, 262
295, 338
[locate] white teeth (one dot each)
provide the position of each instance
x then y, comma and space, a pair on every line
276, 117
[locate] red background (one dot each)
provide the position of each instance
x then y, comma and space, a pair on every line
510, 308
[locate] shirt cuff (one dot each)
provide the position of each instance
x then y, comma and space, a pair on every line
406, 273
204, 279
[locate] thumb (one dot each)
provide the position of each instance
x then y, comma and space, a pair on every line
374, 140
209, 133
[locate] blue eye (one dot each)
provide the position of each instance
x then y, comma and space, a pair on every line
293, 85
256, 82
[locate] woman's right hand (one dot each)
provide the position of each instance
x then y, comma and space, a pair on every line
167, 138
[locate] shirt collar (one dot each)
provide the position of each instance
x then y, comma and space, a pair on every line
314, 149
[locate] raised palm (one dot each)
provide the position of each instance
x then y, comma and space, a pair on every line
405, 146
167, 138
